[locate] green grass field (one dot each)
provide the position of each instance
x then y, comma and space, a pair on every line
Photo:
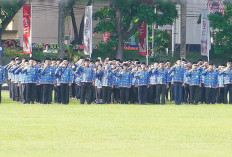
114, 130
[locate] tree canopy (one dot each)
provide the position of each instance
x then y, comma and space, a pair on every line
122, 18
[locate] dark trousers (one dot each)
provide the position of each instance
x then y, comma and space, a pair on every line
227, 89
115, 95
202, 93
72, 90
86, 92
38, 94
106, 94
210, 95
134, 94
46, 94
194, 94
77, 91
98, 92
152, 94
160, 90
220, 97
15, 92
64, 93
10, 91
172, 93
20, 92
186, 93
124, 95
178, 92
57, 94
0, 93
30, 92
167, 91
24, 92
142, 94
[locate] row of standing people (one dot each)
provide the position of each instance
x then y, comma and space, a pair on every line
116, 81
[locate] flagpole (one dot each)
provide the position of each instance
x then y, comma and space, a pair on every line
147, 47
31, 30
91, 32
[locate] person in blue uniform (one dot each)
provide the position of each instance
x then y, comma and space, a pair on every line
87, 76
227, 73
64, 72
194, 83
15, 79
162, 83
31, 75
106, 76
220, 91
143, 83
211, 83
2, 79
47, 79
152, 84
178, 79
125, 79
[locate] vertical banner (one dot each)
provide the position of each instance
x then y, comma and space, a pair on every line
216, 6
88, 31
106, 36
27, 43
143, 38
205, 33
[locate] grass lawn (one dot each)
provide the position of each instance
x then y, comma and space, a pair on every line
114, 130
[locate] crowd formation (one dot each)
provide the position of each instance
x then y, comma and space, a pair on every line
115, 81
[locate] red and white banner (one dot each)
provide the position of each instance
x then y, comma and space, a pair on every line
216, 6
205, 33
27, 43
106, 36
88, 31
143, 38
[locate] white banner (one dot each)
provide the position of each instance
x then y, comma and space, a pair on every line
27, 27
88, 30
205, 33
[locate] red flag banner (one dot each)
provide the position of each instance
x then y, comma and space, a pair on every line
106, 36
27, 48
143, 38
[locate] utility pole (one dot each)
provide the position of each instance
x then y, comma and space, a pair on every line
183, 13
61, 27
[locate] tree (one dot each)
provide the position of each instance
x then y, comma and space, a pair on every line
222, 29
122, 14
8, 9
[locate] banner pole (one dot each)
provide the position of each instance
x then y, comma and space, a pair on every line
31, 31
147, 46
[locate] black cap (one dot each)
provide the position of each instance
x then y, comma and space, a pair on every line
65, 59
211, 63
47, 59
31, 58
125, 64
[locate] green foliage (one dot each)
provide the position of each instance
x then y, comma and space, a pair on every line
7, 9
108, 46
222, 26
161, 40
132, 12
